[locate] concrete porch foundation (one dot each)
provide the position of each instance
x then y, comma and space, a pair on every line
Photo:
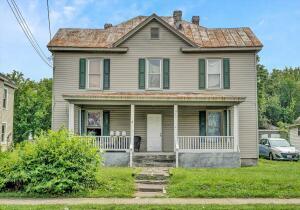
116, 158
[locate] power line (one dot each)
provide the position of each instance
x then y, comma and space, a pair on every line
20, 19
49, 26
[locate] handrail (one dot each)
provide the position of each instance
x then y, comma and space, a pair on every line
109, 143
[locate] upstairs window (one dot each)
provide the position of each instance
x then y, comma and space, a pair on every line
5, 97
214, 69
154, 33
154, 74
94, 73
3, 133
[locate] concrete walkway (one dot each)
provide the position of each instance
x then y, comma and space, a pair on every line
145, 201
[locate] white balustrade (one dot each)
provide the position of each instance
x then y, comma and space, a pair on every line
109, 143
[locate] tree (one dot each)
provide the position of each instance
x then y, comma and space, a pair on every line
32, 110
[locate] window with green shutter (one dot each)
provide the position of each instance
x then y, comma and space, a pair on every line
202, 123
106, 74
202, 74
142, 73
106, 123
82, 122
226, 73
225, 123
82, 73
166, 73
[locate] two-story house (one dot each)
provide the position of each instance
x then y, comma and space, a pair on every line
159, 90
7, 89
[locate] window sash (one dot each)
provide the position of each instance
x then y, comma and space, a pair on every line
154, 33
219, 125
3, 133
148, 74
5, 96
218, 73
92, 74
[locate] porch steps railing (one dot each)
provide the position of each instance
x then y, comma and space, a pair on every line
206, 144
109, 143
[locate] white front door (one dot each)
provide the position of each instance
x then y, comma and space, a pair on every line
154, 132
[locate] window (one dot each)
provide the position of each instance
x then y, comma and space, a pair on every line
94, 71
154, 74
5, 96
214, 123
299, 131
94, 122
154, 33
3, 133
214, 73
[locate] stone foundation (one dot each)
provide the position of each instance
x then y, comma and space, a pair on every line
116, 158
210, 160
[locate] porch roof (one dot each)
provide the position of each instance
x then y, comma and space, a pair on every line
153, 96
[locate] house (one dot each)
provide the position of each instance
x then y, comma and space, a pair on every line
7, 89
294, 133
184, 92
271, 131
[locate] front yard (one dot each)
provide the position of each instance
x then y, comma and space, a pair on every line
269, 179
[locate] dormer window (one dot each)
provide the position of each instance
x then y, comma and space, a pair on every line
154, 33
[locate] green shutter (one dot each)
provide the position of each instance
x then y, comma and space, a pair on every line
166, 73
202, 123
226, 73
106, 126
82, 73
106, 74
82, 126
201, 73
225, 123
142, 70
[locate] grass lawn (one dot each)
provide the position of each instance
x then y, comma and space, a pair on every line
276, 179
152, 207
115, 182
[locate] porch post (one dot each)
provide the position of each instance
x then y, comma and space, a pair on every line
176, 146
71, 118
132, 107
236, 127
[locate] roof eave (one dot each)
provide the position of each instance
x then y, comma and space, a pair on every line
89, 49
218, 49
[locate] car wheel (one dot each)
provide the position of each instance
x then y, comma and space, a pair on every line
271, 156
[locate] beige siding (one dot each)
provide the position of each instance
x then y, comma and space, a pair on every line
294, 138
183, 77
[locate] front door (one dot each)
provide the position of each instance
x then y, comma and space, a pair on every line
154, 129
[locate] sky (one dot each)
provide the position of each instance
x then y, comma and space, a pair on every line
275, 22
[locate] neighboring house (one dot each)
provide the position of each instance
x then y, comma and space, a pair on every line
7, 89
186, 91
294, 133
272, 131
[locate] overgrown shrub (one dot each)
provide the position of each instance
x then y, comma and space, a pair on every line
55, 163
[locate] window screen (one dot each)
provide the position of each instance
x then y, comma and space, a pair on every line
154, 73
214, 73
94, 73
154, 33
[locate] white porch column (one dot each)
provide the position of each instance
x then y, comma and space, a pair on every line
236, 128
176, 132
132, 110
71, 118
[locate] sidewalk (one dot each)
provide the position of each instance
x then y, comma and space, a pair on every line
146, 201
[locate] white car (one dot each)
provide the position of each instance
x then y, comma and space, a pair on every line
277, 149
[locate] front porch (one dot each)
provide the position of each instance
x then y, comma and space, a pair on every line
191, 132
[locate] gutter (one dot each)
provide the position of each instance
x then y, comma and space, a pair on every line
217, 49
89, 49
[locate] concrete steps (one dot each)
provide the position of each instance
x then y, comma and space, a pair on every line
150, 159
151, 182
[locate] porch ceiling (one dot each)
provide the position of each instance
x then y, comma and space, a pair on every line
153, 96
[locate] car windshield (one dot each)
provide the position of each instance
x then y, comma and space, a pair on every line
279, 143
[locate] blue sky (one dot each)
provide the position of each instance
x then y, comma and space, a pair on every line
275, 22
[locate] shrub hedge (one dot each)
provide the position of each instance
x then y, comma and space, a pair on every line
55, 163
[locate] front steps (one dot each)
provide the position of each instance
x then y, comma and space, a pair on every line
154, 159
151, 182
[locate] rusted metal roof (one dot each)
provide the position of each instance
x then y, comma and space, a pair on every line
201, 36
153, 96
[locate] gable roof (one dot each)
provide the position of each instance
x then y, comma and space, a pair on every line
7, 81
195, 35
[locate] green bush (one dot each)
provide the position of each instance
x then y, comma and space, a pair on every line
55, 163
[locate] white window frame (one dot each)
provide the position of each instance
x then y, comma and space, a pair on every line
86, 119
6, 102
221, 75
160, 72
4, 135
88, 73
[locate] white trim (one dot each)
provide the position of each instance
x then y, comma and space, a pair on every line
176, 145
206, 72
160, 72
5, 133
88, 72
79, 121
6, 102
131, 148
236, 126
71, 118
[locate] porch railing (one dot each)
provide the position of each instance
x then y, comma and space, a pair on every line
206, 143
109, 143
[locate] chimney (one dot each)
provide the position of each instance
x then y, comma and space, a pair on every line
196, 20
107, 25
177, 15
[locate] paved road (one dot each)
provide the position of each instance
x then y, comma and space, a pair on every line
144, 201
